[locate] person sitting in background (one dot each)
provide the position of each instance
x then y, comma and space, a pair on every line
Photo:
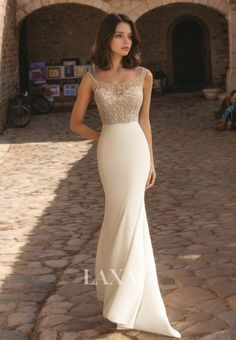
160, 78
227, 112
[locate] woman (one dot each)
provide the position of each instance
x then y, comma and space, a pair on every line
125, 273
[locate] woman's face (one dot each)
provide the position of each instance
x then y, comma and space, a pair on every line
121, 41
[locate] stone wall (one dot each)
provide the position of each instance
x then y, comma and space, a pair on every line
8, 56
55, 32
62, 31
154, 26
146, 13
231, 79
134, 8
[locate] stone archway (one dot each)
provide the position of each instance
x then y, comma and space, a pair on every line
134, 10
189, 58
220, 6
52, 33
29, 6
157, 26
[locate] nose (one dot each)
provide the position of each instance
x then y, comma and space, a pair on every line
126, 40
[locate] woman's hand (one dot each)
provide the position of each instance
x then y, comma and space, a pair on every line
152, 177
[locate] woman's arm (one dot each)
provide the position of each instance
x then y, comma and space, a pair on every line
144, 111
80, 108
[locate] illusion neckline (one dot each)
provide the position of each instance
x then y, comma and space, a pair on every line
121, 83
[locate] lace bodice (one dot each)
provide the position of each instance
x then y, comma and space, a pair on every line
119, 102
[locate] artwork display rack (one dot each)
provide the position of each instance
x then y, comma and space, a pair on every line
61, 81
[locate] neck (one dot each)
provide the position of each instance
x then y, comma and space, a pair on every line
116, 65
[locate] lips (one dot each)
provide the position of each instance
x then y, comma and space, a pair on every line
125, 48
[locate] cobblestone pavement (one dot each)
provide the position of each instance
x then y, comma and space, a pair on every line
51, 211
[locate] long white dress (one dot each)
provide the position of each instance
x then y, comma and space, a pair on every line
125, 273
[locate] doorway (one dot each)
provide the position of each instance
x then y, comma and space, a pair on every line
190, 55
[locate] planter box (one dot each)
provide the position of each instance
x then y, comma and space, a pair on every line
211, 94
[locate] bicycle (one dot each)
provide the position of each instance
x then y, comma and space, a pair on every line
21, 106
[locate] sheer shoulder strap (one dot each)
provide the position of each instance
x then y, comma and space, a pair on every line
143, 73
91, 76
94, 82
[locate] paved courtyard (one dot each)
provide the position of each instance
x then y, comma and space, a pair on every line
51, 211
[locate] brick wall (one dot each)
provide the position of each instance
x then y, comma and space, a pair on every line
154, 25
8, 56
51, 35
134, 8
66, 31
61, 31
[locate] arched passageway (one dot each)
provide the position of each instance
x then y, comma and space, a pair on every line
187, 47
219, 17
132, 8
190, 47
189, 42
54, 33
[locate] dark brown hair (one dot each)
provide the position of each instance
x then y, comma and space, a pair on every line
100, 53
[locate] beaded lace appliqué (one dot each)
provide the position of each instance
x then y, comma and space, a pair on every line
119, 102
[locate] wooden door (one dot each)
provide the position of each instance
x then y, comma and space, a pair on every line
188, 53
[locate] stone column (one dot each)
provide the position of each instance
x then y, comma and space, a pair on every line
231, 77
8, 56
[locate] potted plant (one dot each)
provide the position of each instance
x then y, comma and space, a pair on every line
211, 92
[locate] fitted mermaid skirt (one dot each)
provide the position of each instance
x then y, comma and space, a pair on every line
125, 273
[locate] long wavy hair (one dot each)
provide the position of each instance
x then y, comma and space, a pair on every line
100, 53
